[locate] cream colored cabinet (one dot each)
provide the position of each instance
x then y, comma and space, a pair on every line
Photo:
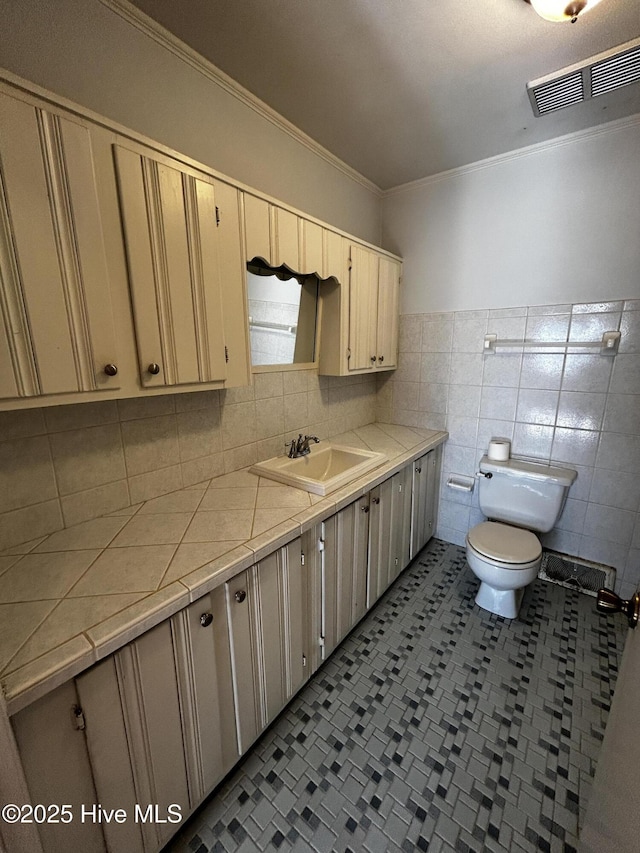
170, 226
281, 237
344, 572
389, 532
56, 323
159, 722
149, 730
426, 475
360, 321
269, 628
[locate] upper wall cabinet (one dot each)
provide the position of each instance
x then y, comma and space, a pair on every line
360, 321
56, 323
170, 225
281, 237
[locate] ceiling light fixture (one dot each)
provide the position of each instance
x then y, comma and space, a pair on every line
562, 10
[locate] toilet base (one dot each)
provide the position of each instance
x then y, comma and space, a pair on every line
502, 602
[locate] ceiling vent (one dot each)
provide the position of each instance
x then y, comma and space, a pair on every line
604, 73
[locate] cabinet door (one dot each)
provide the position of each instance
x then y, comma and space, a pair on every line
401, 521
380, 541
388, 313
363, 305
425, 492
203, 663
170, 227
56, 323
150, 695
233, 284
268, 619
111, 763
57, 769
345, 571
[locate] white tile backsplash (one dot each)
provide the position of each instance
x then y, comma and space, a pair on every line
66, 465
576, 408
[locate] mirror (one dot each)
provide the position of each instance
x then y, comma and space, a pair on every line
283, 311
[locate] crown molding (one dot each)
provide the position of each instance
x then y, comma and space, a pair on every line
529, 150
152, 29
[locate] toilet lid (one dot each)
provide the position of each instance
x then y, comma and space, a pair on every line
502, 542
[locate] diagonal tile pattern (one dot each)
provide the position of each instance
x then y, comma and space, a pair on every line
435, 726
146, 561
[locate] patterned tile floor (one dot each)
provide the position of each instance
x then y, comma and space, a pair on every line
435, 726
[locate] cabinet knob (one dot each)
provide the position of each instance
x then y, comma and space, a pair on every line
110, 369
380, 358
154, 368
373, 359
376, 500
364, 508
418, 470
240, 596
206, 619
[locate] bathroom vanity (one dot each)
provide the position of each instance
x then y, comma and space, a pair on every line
156, 703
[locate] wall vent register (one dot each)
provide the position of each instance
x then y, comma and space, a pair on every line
599, 75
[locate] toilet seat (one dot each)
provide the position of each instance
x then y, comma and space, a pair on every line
504, 544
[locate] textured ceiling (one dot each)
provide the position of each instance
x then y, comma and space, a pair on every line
403, 89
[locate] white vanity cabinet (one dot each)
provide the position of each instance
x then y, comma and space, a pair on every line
360, 320
56, 322
268, 609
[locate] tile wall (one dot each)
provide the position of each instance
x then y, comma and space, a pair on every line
578, 408
66, 464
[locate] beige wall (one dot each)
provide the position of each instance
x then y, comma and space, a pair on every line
84, 51
66, 464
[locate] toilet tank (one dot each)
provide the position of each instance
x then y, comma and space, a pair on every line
527, 494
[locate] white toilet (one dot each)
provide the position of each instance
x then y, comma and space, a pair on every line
517, 497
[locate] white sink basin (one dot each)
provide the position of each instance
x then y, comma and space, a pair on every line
327, 467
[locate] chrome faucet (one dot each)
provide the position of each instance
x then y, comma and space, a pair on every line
300, 446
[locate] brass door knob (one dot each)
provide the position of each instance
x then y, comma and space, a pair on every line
206, 619
110, 369
154, 368
608, 602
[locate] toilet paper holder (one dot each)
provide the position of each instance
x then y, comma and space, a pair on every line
460, 483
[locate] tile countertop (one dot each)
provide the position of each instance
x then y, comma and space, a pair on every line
77, 595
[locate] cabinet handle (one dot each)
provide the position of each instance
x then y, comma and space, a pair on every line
373, 359
110, 369
154, 368
380, 358
418, 470
364, 508
206, 619
240, 596
376, 500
